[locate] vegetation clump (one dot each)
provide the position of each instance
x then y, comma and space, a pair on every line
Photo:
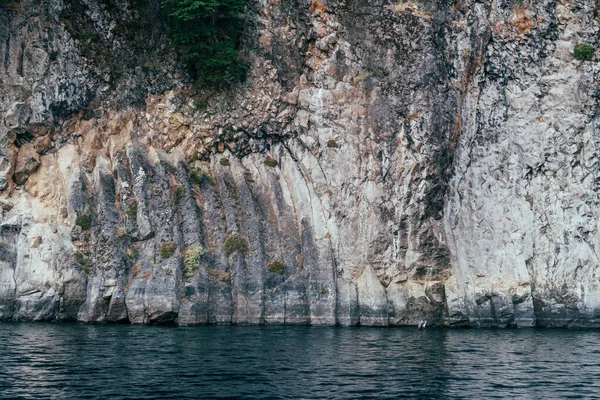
84, 221
224, 161
132, 253
235, 243
191, 260
207, 35
584, 52
167, 250
178, 195
132, 211
115, 74
79, 257
270, 162
201, 104
199, 177
276, 266
332, 144
121, 232
11, 5
249, 177
82, 261
222, 276
147, 67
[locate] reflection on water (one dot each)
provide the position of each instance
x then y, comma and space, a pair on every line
119, 362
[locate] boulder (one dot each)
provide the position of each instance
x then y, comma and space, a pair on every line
27, 162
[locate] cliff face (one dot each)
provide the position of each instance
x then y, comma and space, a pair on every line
401, 161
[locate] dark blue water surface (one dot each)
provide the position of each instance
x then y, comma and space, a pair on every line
60, 361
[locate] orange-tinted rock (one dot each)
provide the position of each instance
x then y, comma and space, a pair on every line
27, 162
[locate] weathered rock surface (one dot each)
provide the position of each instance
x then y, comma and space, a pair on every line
28, 161
407, 161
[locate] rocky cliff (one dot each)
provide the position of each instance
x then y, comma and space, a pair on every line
382, 163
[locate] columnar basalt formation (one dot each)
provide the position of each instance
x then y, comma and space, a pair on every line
382, 163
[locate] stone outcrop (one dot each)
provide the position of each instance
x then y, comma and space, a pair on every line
382, 163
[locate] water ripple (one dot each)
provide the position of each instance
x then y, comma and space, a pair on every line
73, 361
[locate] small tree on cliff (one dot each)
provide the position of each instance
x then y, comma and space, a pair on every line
207, 34
11, 4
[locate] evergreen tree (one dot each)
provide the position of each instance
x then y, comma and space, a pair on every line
207, 34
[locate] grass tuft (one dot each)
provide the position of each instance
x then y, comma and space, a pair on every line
121, 232
191, 260
199, 177
584, 52
167, 250
235, 243
270, 162
132, 211
84, 221
277, 267
332, 144
178, 195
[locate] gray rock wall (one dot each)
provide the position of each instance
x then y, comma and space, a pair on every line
383, 163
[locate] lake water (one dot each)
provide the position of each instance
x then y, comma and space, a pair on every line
60, 361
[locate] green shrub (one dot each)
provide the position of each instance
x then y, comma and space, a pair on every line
270, 162
132, 212
167, 249
201, 104
90, 35
235, 243
332, 144
121, 232
115, 74
584, 52
178, 195
207, 35
11, 5
147, 67
199, 177
191, 260
196, 176
132, 252
82, 261
276, 266
79, 257
84, 221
